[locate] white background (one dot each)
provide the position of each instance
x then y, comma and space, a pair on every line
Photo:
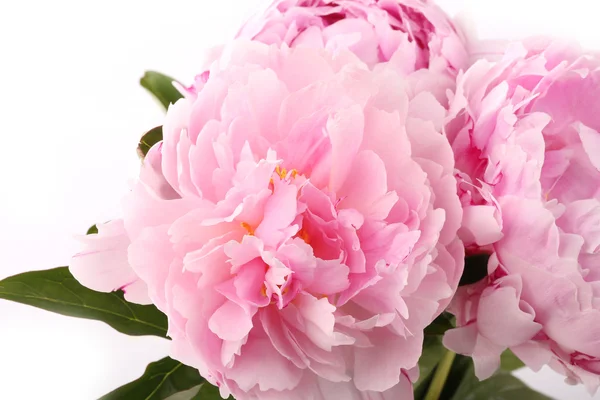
71, 112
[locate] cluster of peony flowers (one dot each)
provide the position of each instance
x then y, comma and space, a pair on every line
307, 214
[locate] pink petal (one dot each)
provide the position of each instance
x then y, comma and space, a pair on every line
379, 368
345, 130
264, 367
103, 265
480, 225
591, 144
366, 183
502, 319
230, 322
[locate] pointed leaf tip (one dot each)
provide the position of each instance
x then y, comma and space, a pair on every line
162, 380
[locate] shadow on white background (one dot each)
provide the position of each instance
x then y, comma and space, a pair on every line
71, 112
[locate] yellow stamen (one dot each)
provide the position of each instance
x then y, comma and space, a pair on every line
248, 228
263, 290
294, 173
304, 236
282, 172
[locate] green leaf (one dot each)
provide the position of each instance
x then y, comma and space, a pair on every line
509, 362
209, 392
462, 384
162, 379
56, 290
149, 139
161, 86
93, 230
475, 269
186, 394
502, 386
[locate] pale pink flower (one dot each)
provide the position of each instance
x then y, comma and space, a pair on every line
298, 224
414, 34
525, 132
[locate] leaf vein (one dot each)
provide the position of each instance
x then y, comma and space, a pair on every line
126, 304
66, 303
163, 381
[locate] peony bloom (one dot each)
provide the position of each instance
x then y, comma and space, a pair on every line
525, 132
298, 225
414, 34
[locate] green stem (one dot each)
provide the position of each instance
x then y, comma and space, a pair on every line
441, 374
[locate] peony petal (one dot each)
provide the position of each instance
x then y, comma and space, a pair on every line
264, 367
330, 277
480, 225
590, 139
501, 318
345, 129
366, 184
379, 368
103, 265
230, 322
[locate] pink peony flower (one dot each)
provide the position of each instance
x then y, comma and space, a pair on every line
414, 34
525, 132
298, 225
